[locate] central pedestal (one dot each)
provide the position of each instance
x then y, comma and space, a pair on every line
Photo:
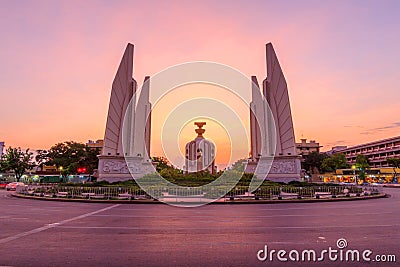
117, 168
281, 168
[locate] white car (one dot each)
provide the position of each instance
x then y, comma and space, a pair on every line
14, 185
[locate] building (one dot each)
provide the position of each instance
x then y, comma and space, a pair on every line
49, 170
335, 149
377, 152
372, 175
98, 144
199, 153
1, 148
304, 148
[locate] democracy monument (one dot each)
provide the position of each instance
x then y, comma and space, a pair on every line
126, 149
200, 153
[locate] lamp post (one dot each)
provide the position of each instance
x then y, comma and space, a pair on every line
354, 173
60, 169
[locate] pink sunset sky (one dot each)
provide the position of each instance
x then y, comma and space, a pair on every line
58, 60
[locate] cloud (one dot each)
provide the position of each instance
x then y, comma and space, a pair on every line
353, 126
336, 143
390, 126
367, 132
381, 129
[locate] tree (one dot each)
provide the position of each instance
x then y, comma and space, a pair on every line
162, 163
334, 162
362, 165
170, 173
17, 160
68, 156
395, 163
313, 162
239, 165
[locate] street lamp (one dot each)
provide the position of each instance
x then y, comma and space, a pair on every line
60, 169
354, 173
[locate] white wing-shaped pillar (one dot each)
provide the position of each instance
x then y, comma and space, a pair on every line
276, 92
141, 143
123, 89
256, 119
273, 151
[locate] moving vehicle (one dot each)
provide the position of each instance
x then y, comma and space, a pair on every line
14, 185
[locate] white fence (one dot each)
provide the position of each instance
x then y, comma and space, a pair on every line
132, 193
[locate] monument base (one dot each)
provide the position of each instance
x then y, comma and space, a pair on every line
117, 168
277, 169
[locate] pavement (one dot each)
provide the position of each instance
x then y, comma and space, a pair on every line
47, 233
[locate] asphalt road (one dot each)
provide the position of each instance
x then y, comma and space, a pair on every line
47, 233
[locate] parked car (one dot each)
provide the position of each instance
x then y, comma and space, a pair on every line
14, 185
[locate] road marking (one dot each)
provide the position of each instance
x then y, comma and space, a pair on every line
241, 217
52, 225
207, 228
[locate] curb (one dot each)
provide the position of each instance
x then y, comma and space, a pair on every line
149, 201
391, 186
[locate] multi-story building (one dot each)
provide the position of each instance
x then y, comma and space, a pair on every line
377, 152
96, 144
304, 148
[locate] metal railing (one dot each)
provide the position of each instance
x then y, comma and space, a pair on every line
132, 193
